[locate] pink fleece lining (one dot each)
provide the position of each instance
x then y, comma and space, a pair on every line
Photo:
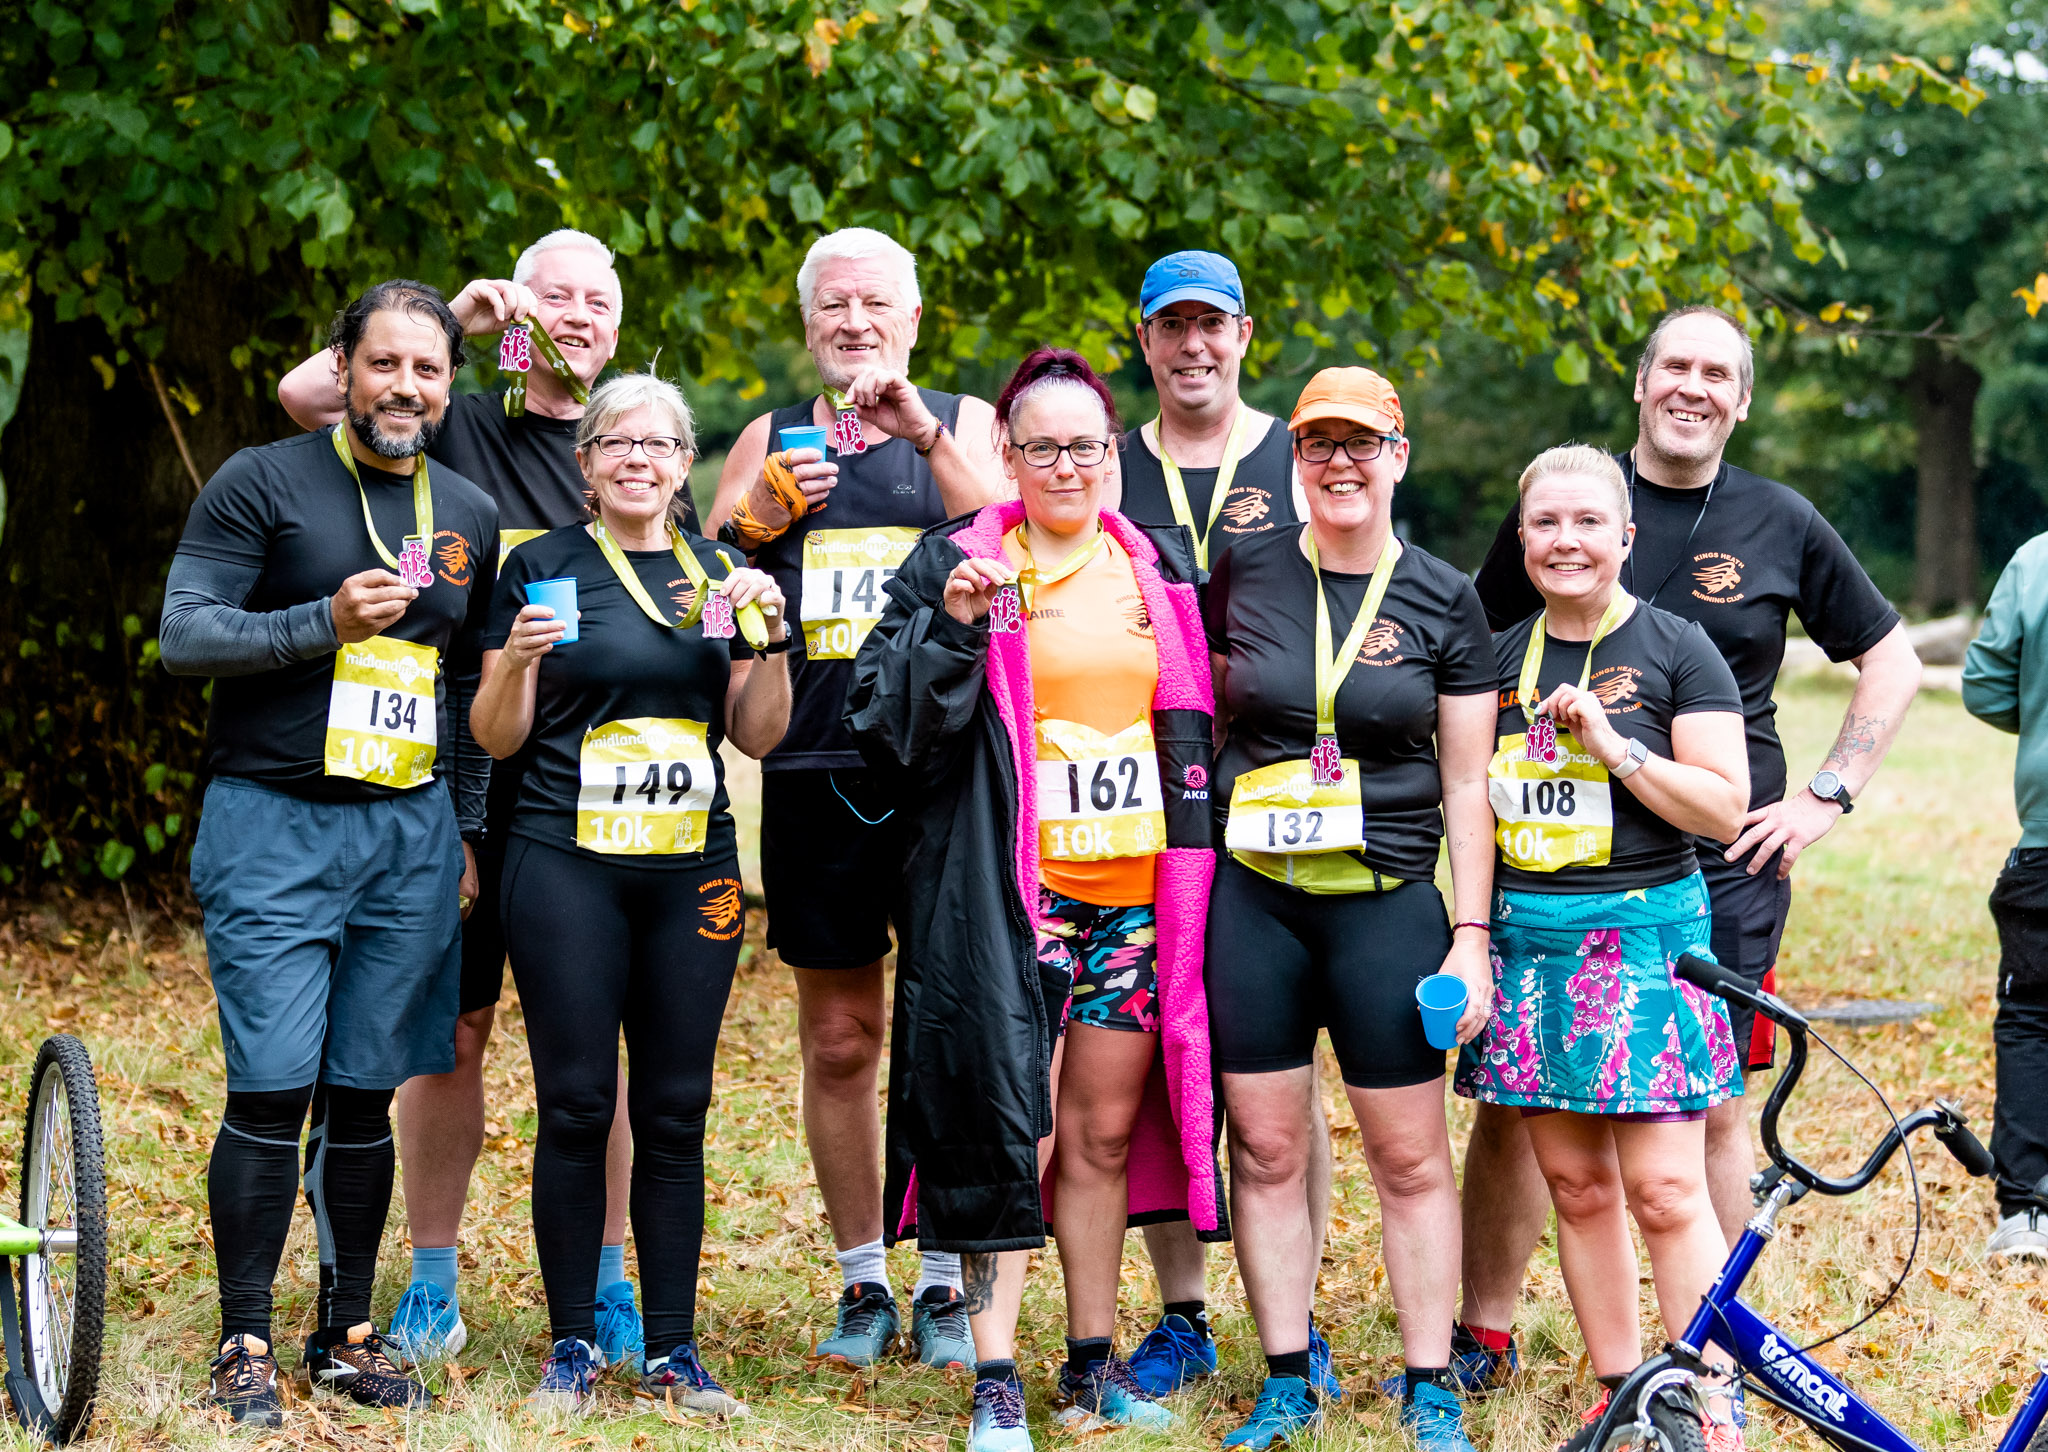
1172, 1157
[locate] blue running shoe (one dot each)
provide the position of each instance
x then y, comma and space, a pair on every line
1435, 1418
1286, 1408
868, 1326
679, 1380
619, 1338
1322, 1363
1109, 1396
998, 1424
427, 1326
1478, 1369
938, 1329
568, 1380
1172, 1354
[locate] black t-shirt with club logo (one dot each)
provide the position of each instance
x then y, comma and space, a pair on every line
1651, 669
292, 510
1740, 564
1261, 491
1429, 640
622, 666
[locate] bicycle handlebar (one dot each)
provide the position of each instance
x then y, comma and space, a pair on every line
1944, 1118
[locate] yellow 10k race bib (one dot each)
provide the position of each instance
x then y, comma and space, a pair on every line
646, 787
1551, 816
1098, 796
844, 574
380, 714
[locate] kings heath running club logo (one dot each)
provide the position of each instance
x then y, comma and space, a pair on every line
721, 909
1384, 637
1617, 686
451, 551
1246, 508
1718, 575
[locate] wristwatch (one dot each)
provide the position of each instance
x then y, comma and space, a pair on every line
1829, 787
1632, 762
773, 647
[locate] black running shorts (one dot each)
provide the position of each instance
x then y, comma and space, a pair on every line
831, 866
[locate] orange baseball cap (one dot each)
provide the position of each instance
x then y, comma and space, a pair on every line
1357, 395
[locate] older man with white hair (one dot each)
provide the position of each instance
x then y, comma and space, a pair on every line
526, 461
832, 524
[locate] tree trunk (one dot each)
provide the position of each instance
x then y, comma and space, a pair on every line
1943, 389
98, 743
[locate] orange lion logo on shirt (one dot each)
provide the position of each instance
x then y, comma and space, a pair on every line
722, 910
1246, 507
452, 550
684, 594
1723, 574
1619, 685
1384, 638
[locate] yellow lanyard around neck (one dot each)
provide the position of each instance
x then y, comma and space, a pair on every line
1177, 491
1532, 658
1031, 578
623, 568
422, 497
1331, 670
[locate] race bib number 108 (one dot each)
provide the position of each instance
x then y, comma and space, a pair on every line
845, 572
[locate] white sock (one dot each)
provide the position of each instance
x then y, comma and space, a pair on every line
937, 1268
869, 1263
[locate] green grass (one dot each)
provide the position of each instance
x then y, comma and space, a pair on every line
1891, 904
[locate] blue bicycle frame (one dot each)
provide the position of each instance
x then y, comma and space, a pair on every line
1773, 1365
1768, 1360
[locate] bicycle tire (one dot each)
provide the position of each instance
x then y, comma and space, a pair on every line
1672, 1418
62, 1327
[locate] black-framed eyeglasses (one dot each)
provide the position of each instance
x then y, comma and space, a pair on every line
1213, 326
1361, 448
618, 446
1044, 453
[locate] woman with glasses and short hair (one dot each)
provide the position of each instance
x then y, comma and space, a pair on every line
1620, 739
1355, 676
622, 884
1039, 693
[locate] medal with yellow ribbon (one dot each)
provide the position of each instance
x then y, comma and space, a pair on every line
848, 437
411, 560
623, 568
1542, 743
1325, 761
515, 350
1176, 488
1032, 578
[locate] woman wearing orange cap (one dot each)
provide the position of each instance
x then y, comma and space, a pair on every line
1357, 677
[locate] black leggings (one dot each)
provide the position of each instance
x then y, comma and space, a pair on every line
597, 944
250, 1183
1283, 964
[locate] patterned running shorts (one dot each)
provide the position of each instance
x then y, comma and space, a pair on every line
1112, 956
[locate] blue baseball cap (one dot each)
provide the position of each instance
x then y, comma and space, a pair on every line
1191, 276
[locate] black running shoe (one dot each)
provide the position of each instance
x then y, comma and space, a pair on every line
245, 1382
363, 1370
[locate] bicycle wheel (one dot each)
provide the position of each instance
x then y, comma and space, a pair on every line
63, 1293
1674, 1426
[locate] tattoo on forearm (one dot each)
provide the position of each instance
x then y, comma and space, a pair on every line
1859, 737
978, 1279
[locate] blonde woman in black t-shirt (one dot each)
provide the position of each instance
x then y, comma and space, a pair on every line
1619, 736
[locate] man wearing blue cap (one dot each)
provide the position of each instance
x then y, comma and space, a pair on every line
1209, 461
1212, 462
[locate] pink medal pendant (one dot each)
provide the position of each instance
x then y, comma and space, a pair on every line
515, 350
847, 435
1542, 742
1006, 611
1325, 763
413, 568
718, 617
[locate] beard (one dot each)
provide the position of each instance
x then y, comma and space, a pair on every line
390, 446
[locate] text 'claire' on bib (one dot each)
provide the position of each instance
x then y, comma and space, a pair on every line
380, 712
844, 579
646, 790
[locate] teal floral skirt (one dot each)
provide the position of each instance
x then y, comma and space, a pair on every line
1586, 1013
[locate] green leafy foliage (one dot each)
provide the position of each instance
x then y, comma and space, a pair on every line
1547, 174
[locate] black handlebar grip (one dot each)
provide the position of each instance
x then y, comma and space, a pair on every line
1967, 1148
1711, 976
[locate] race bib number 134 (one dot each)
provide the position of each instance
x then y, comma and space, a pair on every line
380, 712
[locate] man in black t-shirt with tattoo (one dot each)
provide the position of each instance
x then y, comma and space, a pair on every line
1739, 554
527, 462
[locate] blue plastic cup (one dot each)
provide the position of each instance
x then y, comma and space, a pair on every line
560, 597
1441, 997
809, 436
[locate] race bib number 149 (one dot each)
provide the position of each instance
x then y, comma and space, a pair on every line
646, 787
